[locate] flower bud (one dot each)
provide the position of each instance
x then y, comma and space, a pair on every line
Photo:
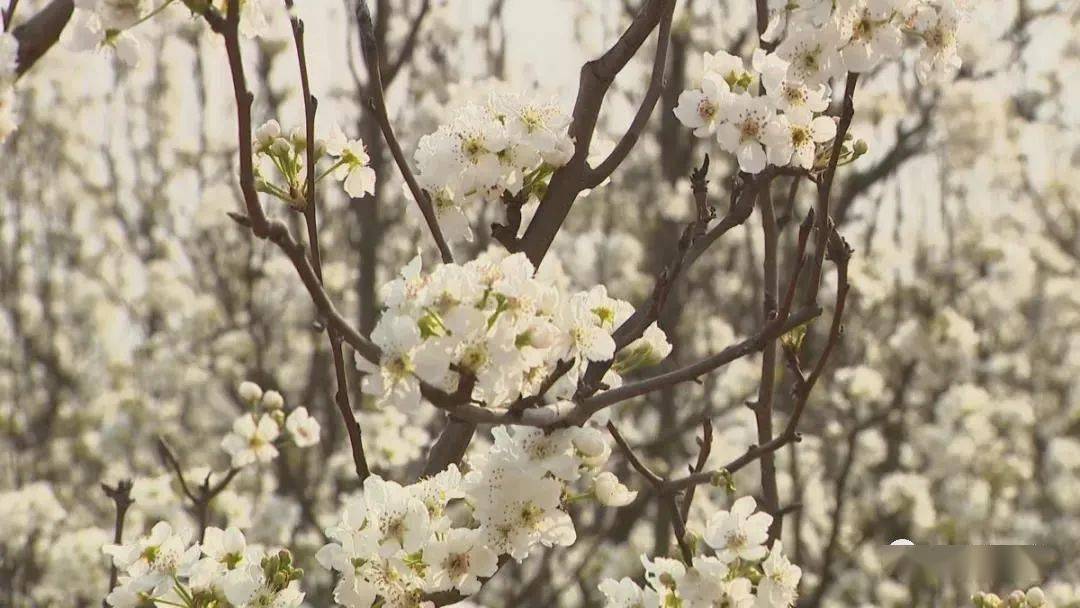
250, 392
280, 147
610, 492
272, 400
1035, 597
589, 444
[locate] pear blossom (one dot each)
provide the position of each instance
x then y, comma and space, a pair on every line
225, 561
666, 576
743, 131
790, 140
272, 400
701, 109
625, 593
494, 322
303, 428
870, 33
353, 164
812, 54
509, 143
709, 583
610, 492
739, 533
251, 441
151, 562
937, 26
459, 561
780, 580
730, 69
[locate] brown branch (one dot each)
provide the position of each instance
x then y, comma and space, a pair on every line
409, 45
645, 315
203, 494
121, 497
451, 445
763, 409
704, 449
377, 103
841, 254
39, 33
678, 523
762, 17
595, 80
648, 104
825, 184
771, 331
633, 458
279, 235
7, 14
840, 491
229, 29
341, 396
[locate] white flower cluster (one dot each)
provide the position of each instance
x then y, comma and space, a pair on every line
747, 124
108, 24
165, 568
737, 576
396, 544
9, 63
1032, 598
254, 433
492, 323
783, 124
287, 154
28, 511
826, 38
509, 144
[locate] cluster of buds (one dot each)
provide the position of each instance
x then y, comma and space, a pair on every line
286, 162
1032, 598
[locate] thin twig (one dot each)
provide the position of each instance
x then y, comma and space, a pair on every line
595, 80
121, 497
341, 395
648, 104
763, 408
204, 493
377, 102
825, 184
704, 449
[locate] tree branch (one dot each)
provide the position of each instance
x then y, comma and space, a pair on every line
39, 33
203, 494
121, 497
847, 112
595, 80
377, 102
763, 409
341, 395
645, 110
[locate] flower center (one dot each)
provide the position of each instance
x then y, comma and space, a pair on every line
736, 540
706, 109
457, 564
399, 367
473, 148
474, 357
751, 129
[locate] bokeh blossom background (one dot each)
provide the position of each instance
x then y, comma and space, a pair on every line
133, 309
